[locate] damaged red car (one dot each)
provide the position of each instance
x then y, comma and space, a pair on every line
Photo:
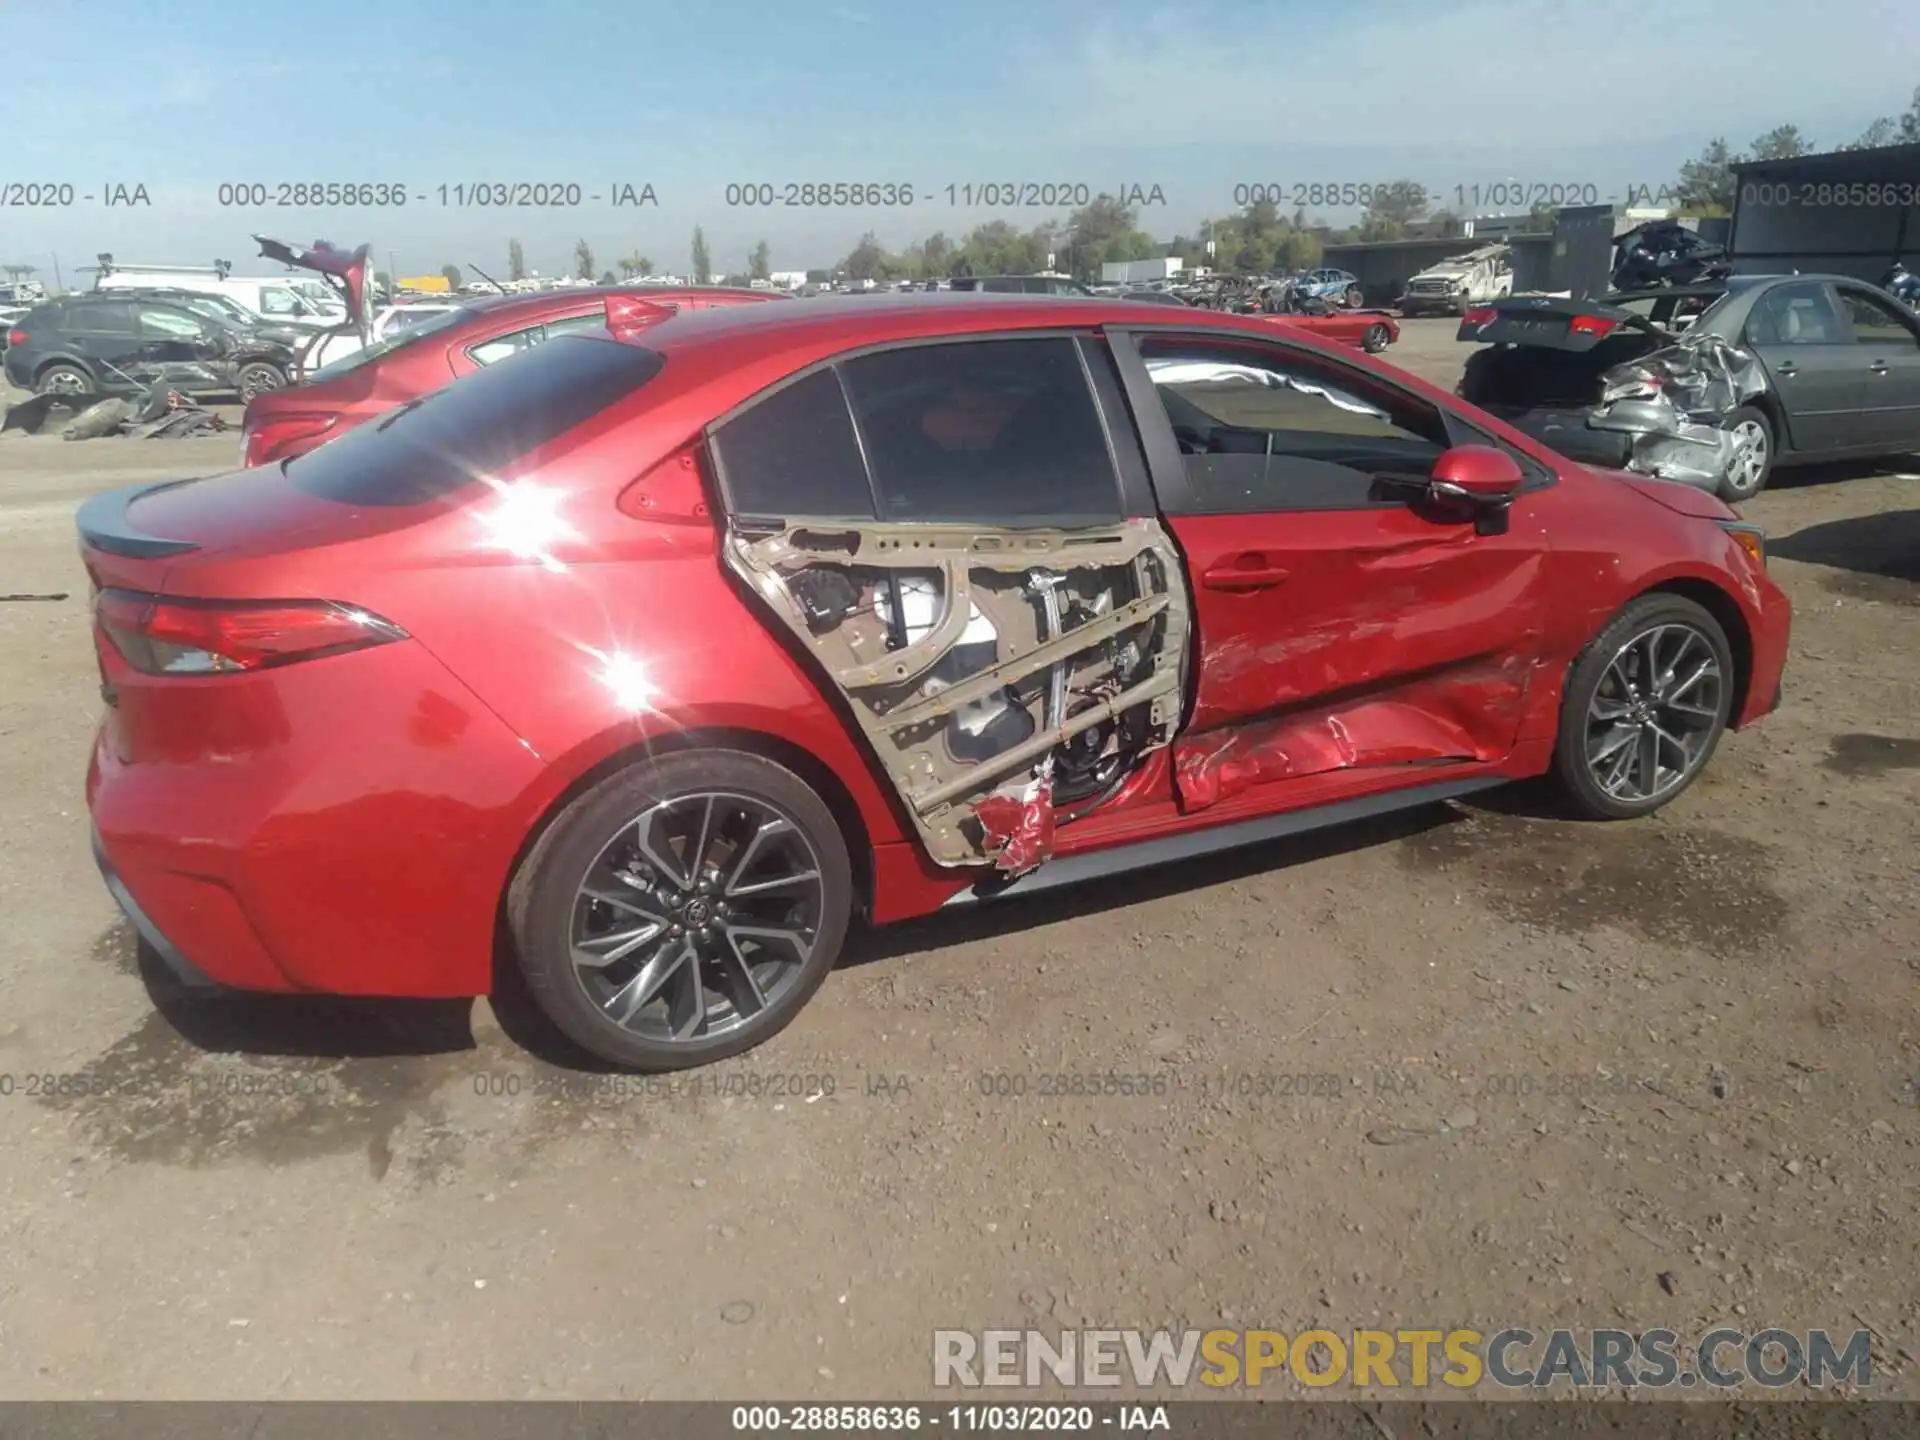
649, 662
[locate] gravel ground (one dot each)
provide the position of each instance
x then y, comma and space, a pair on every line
1657, 1074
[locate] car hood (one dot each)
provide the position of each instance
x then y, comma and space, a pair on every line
1680, 498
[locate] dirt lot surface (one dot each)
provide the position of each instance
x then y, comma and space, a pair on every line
1652, 1074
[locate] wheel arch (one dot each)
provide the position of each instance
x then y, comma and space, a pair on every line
67, 362
1720, 604
1775, 414
811, 769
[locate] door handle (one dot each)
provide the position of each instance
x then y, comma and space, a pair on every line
1248, 570
1786, 367
1878, 367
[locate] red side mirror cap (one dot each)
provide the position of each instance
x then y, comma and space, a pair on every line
1477, 472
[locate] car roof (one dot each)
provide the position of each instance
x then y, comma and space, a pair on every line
741, 334
533, 302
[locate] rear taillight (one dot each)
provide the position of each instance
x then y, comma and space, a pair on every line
165, 635
16, 338
1485, 315
267, 437
1592, 325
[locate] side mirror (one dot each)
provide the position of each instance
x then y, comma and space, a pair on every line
1477, 478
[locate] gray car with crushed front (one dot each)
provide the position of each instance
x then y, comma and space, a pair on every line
1712, 385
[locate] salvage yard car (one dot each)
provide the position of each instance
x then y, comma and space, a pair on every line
116, 343
1451, 286
409, 361
1711, 385
656, 656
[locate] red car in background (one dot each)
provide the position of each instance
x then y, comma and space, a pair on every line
441, 349
1368, 330
647, 665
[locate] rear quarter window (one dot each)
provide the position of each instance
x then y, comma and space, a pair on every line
445, 441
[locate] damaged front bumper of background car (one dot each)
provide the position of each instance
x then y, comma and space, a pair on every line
1673, 403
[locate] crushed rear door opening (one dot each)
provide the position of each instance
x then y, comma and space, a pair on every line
1005, 679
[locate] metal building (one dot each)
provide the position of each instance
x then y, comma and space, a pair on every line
1849, 212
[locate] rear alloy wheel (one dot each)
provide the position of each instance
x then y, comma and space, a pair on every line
1752, 459
64, 380
1645, 706
1376, 339
683, 910
1354, 298
258, 378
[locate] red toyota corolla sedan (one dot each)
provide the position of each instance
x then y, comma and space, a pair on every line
659, 660
438, 351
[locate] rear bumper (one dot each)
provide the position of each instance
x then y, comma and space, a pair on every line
344, 826
184, 970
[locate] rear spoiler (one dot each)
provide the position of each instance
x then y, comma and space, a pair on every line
103, 524
1581, 324
628, 315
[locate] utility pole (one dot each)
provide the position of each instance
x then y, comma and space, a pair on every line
59, 285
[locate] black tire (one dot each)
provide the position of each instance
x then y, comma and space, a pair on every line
1375, 340
63, 379
259, 377
1744, 480
541, 901
1572, 772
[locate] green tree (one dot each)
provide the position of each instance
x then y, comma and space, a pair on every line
607, 277
1783, 142
702, 260
1902, 129
583, 259
1543, 217
1705, 186
760, 263
635, 264
516, 261
381, 279
867, 260
1393, 207
936, 255
452, 275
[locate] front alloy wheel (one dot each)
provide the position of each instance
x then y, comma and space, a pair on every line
683, 910
1645, 706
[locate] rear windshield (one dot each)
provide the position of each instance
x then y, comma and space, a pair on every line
477, 426
445, 320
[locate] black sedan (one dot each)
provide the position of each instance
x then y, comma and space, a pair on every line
108, 343
1837, 374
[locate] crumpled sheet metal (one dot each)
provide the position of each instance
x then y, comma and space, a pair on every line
1469, 714
1672, 403
1018, 827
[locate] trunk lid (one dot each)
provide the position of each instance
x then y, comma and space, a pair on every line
1552, 322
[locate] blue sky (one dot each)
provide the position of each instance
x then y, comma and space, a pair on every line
186, 95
